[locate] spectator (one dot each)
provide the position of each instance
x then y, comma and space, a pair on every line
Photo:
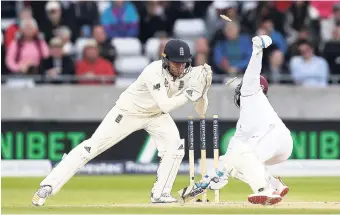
178, 10
269, 9
327, 25
323, 8
308, 69
4, 69
267, 26
87, 13
299, 17
232, 54
276, 69
57, 64
332, 52
12, 30
25, 53
120, 20
106, 50
153, 21
303, 34
202, 52
92, 66
55, 19
69, 13
65, 34
249, 16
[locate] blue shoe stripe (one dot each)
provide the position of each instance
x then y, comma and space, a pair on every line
263, 45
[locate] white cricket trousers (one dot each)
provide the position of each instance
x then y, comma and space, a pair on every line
116, 125
273, 147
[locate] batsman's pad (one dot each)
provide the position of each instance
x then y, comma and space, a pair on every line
168, 168
68, 166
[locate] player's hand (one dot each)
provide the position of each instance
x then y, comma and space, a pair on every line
196, 85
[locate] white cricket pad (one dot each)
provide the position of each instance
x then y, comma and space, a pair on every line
168, 168
68, 166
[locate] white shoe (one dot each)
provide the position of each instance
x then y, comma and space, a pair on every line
283, 189
165, 198
41, 195
262, 42
268, 196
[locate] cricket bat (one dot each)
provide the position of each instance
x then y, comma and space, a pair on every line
190, 192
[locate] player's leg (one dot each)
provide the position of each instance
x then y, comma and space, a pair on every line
164, 132
114, 127
226, 162
241, 162
284, 143
272, 147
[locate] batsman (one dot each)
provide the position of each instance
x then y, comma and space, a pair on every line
260, 139
163, 86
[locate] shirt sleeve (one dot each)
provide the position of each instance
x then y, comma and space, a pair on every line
324, 72
10, 57
155, 85
251, 78
44, 49
294, 69
218, 54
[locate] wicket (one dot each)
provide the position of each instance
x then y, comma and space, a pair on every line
203, 149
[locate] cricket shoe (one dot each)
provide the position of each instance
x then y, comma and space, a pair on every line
267, 196
283, 189
165, 198
41, 195
261, 42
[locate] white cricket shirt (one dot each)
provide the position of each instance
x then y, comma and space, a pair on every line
155, 91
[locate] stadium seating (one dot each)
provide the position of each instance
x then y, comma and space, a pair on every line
189, 28
131, 64
151, 48
127, 46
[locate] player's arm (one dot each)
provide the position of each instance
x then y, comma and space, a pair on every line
251, 78
159, 93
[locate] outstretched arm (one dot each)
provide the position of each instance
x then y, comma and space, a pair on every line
251, 78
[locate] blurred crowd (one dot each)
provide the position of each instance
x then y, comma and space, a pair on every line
88, 40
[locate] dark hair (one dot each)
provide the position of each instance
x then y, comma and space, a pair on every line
304, 42
266, 18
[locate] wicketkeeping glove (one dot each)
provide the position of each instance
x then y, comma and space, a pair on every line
208, 74
196, 85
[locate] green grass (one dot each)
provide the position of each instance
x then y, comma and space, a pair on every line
101, 194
